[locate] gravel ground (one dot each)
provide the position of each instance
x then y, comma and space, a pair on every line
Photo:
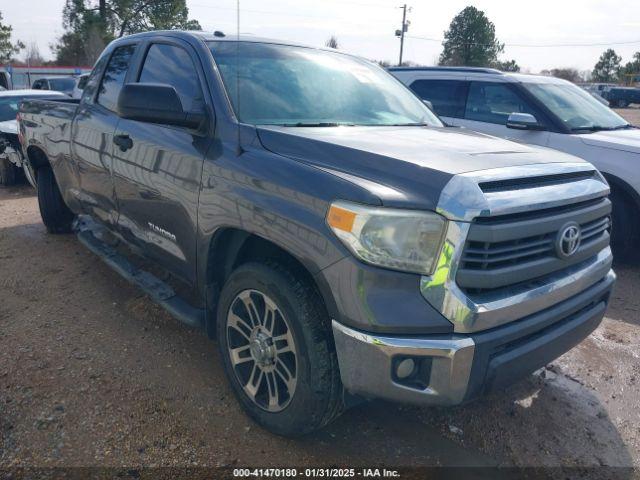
94, 374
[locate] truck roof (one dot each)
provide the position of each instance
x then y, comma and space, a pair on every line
212, 37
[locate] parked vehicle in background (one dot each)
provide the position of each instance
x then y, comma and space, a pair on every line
333, 233
11, 159
65, 85
81, 82
546, 111
621, 97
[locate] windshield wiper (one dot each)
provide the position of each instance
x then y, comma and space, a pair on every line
598, 128
317, 124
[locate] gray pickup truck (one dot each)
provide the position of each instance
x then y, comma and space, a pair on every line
338, 240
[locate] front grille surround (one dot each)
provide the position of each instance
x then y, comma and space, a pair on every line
543, 199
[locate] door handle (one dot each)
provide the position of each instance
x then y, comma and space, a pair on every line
123, 141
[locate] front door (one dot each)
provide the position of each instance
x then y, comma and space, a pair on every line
488, 107
158, 169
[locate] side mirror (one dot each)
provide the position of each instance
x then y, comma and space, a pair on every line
155, 103
523, 121
428, 104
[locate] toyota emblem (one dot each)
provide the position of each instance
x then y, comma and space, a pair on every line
568, 241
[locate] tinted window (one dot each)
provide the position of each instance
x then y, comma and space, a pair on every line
493, 103
82, 82
114, 74
171, 65
446, 96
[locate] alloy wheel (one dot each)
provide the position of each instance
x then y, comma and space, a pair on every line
262, 350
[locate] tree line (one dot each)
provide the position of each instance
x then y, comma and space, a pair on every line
89, 25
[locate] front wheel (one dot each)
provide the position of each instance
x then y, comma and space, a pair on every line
275, 340
55, 214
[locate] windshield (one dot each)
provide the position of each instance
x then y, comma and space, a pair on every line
577, 109
297, 86
62, 84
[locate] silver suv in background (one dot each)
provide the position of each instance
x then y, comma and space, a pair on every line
543, 111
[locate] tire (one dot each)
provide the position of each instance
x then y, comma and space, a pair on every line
625, 231
312, 395
55, 214
623, 104
8, 172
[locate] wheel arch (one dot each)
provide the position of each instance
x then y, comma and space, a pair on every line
622, 186
230, 247
36, 159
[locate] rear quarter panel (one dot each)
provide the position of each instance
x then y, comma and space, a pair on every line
46, 127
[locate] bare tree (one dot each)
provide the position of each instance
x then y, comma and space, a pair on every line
332, 42
32, 55
570, 74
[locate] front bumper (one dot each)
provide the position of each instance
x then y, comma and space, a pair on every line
452, 368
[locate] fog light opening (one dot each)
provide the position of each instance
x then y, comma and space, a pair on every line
412, 372
405, 368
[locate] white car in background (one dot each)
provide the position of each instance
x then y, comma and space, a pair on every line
10, 152
543, 111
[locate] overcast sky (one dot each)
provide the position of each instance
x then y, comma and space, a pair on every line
366, 27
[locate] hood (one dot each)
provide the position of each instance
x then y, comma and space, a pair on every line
9, 126
404, 166
624, 140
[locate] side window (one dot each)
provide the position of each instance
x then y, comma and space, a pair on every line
446, 96
93, 80
114, 75
82, 82
37, 85
172, 65
493, 103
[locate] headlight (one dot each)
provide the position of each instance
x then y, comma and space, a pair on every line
406, 240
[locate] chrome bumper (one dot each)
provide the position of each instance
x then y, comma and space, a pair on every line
366, 364
462, 367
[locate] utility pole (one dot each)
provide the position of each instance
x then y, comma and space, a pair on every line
400, 33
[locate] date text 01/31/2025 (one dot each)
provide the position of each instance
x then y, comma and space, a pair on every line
316, 472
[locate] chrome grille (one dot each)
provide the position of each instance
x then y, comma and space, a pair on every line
505, 252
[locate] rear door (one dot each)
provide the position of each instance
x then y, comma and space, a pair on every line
157, 180
488, 106
92, 134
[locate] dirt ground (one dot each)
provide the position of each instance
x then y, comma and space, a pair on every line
631, 114
93, 373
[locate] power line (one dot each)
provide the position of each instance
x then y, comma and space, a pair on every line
532, 45
282, 13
